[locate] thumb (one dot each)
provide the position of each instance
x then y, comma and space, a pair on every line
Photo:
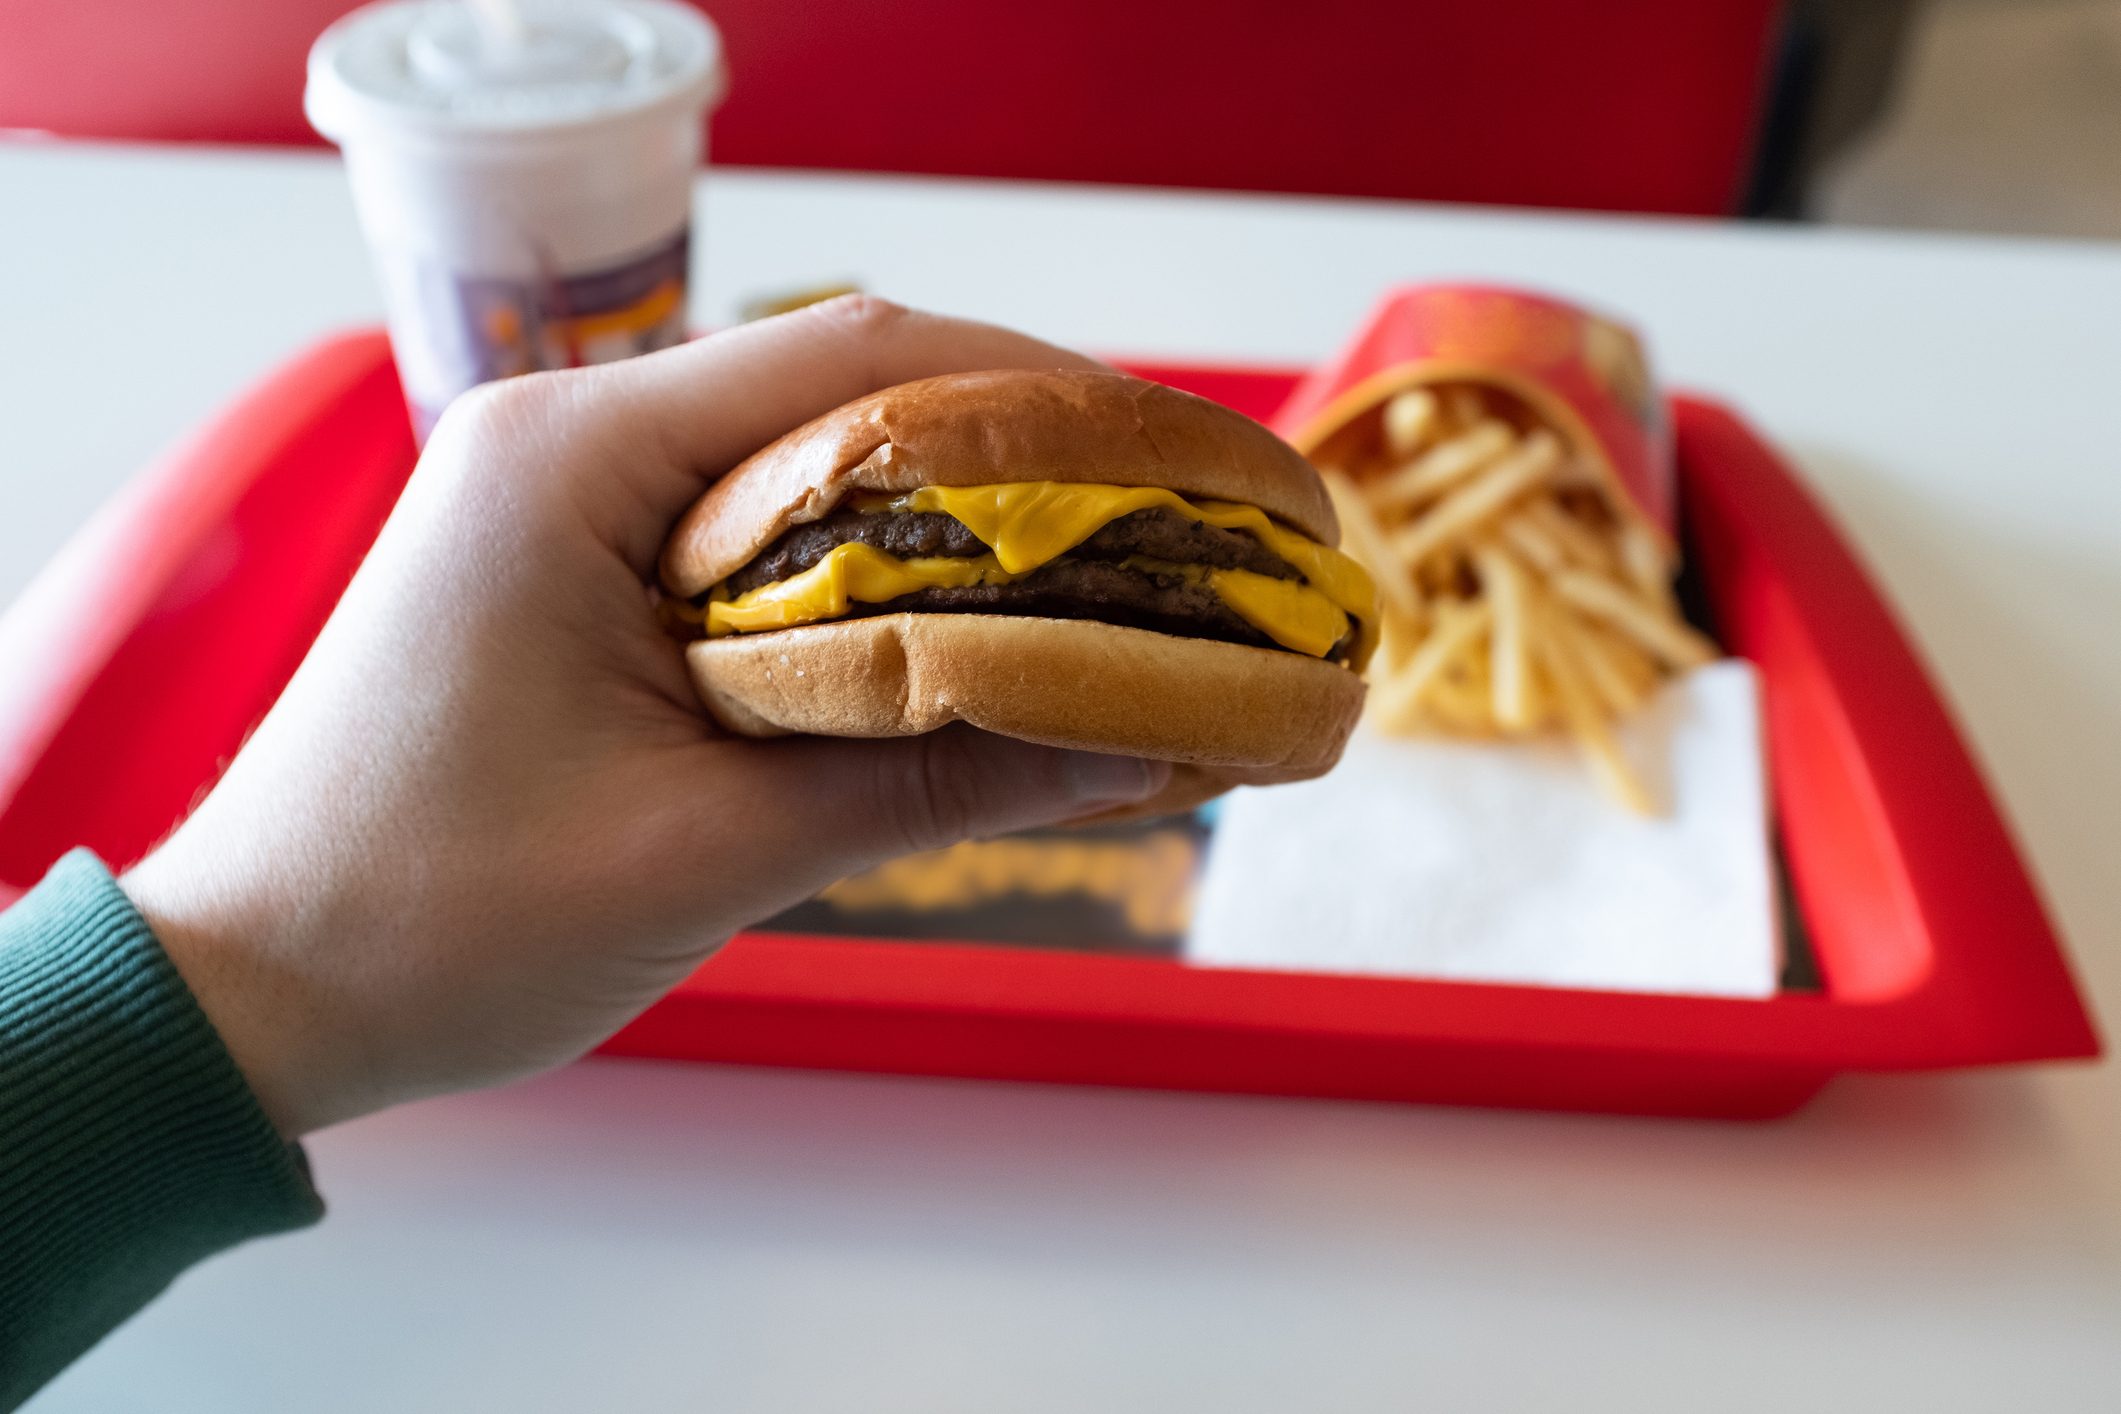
857, 803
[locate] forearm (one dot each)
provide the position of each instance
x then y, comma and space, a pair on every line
130, 1145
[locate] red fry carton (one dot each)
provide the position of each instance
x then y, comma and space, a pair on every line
1584, 374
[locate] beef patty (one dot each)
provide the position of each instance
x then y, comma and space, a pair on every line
1089, 589
1088, 583
1155, 534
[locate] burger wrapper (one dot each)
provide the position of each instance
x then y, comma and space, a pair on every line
1583, 373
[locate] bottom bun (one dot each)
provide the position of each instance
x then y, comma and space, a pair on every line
1226, 714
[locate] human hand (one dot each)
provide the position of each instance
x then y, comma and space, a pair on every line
487, 823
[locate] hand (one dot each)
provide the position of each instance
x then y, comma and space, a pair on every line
487, 823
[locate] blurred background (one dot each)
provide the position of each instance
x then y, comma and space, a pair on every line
2004, 116
1973, 115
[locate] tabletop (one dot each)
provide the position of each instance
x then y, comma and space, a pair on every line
624, 1234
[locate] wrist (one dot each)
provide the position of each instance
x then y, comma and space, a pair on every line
253, 1005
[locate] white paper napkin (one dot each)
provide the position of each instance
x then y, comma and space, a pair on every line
1503, 863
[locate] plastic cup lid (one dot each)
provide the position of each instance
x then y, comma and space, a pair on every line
422, 67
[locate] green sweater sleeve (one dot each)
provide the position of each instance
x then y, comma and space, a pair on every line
130, 1146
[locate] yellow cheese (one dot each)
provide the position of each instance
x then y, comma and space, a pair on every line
852, 573
1029, 524
1293, 615
1288, 611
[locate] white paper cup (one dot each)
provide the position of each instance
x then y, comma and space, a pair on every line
527, 202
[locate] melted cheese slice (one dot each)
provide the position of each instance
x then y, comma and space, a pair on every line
1292, 614
1027, 523
1288, 611
849, 574
1032, 523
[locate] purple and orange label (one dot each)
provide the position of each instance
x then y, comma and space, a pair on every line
452, 330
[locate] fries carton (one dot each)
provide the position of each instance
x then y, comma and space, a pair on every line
1501, 465
1582, 372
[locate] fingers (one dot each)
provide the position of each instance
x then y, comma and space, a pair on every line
840, 806
961, 784
708, 404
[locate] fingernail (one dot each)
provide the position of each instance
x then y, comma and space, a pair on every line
1095, 777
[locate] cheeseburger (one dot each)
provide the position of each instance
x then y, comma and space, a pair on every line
1083, 559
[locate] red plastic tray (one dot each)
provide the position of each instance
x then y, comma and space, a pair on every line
131, 670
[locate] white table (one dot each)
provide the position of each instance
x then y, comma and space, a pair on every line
624, 1236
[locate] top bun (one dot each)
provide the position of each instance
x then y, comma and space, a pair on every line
978, 429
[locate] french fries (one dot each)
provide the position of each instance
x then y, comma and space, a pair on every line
1509, 591
1663, 634
1461, 627
1443, 467
1409, 420
1502, 481
1590, 726
1519, 597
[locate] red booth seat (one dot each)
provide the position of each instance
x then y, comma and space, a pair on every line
1644, 106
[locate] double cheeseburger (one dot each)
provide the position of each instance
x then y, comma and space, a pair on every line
1082, 559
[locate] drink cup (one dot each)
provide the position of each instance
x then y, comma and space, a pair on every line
523, 173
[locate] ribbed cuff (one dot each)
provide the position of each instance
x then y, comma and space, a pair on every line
130, 1145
